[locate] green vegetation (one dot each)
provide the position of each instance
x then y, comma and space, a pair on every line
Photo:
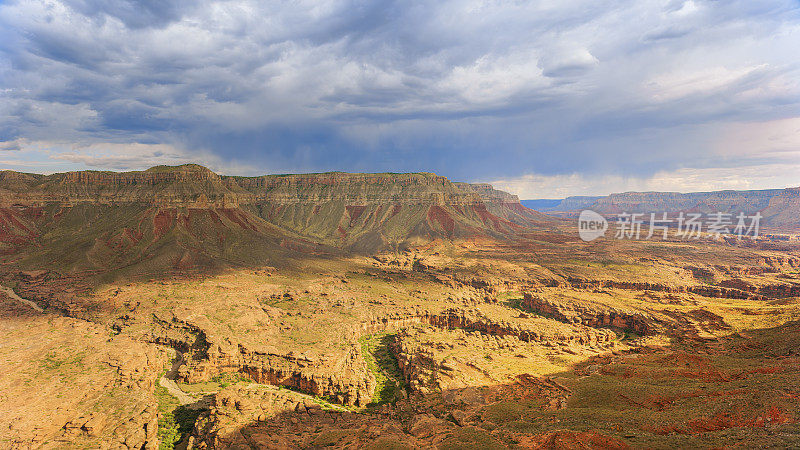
175, 421
327, 403
53, 361
383, 364
166, 402
510, 411
175, 425
470, 438
168, 429
226, 379
329, 438
217, 383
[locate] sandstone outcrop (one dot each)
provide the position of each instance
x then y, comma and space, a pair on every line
344, 379
593, 316
438, 360
66, 383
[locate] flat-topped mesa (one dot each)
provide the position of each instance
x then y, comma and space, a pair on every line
779, 208
371, 210
151, 176
784, 209
188, 185
20, 179
357, 188
489, 194
196, 186
361, 211
724, 201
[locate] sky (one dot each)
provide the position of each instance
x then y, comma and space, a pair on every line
544, 99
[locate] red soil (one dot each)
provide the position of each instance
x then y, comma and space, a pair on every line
722, 421
440, 215
238, 218
563, 439
11, 234
218, 222
8, 218
183, 220
215, 218
354, 211
133, 235
492, 220
162, 222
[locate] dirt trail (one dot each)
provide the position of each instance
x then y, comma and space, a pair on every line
10, 292
168, 382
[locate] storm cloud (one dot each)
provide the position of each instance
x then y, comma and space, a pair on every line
505, 90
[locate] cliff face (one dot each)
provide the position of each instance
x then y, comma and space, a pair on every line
505, 205
408, 188
489, 194
780, 208
576, 202
784, 209
706, 202
368, 211
188, 185
190, 216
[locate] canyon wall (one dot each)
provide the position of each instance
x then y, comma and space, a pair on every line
356, 211
780, 208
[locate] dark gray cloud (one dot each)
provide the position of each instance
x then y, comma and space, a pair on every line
472, 90
134, 14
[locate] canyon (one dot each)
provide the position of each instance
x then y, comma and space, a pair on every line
385, 310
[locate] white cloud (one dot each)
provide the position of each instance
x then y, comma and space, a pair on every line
13, 145
565, 61
680, 84
54, 156
491, 79
769, 176
741, 155
343, 84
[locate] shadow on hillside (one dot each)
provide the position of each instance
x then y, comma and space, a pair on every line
66, 292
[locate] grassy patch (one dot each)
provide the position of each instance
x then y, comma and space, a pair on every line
175, 425
53, 361
470, 438
383, 364
330, 438
168, 429
216, 384
226, 379
199, 388
175, 421
327, 403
